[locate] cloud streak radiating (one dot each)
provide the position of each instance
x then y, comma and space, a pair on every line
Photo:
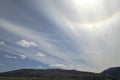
69, 34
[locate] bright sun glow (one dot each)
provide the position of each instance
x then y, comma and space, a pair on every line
88, 11
85, 2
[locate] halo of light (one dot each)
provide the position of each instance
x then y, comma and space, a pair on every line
85, 2
97, 12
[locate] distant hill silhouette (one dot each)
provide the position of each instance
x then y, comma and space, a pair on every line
45, 73
109, 74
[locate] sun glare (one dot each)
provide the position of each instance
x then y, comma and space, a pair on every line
85, 2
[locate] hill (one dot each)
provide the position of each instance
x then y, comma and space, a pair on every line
46, 73
114, 72
60, 74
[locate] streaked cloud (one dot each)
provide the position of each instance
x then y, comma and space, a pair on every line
70, 34
58, 65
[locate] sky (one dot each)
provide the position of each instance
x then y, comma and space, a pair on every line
69, 34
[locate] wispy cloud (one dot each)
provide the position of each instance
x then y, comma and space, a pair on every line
58, 65
81, 41
1, 64
39, 67
8, 56
42, 44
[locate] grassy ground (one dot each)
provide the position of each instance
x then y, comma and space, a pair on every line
35, 78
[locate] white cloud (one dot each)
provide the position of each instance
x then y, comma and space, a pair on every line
28, 67
58, 65
39, 66
12, 57
25, 43
23, 56
31, 35
41, 54
2, 43
98, 30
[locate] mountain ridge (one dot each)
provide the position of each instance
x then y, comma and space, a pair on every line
113, 71
38, 72
64, 74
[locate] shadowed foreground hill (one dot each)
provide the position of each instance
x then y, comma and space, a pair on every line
57, 74
114, 72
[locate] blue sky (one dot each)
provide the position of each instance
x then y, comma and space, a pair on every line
67, 34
